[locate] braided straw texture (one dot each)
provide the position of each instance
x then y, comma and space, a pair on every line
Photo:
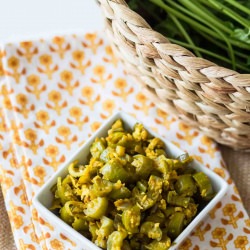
214, 99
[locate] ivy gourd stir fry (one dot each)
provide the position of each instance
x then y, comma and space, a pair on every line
130, 194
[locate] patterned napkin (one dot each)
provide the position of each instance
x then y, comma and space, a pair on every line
54, 94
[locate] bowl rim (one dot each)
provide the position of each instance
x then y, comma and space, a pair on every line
50, 216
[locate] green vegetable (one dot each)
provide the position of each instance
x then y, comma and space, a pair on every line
64, 192
131, 218
176, 200
107, 154
176, 224
143, 166
130, 194
152, 230
218, 30
80, 224
148, 199
123, 204
66, 215
115, 240
97, 147
142, 185
100, 187
113, 171
157, 217
140, 133
120, 150
106, 228
86, 176
163, 244
185, 185
204, 184
96, 208
93, 228
121, 193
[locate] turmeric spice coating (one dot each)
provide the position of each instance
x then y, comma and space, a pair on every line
130, 194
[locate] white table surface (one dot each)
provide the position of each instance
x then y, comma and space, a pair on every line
30, 19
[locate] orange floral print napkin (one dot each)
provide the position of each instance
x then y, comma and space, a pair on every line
54, 94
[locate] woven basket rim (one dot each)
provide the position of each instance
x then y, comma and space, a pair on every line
125, 4
213, 98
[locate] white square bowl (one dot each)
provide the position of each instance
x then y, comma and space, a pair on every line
44, 197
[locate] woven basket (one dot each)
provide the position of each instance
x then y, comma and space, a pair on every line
214, 99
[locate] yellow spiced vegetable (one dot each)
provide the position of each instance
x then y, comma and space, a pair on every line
130, 194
